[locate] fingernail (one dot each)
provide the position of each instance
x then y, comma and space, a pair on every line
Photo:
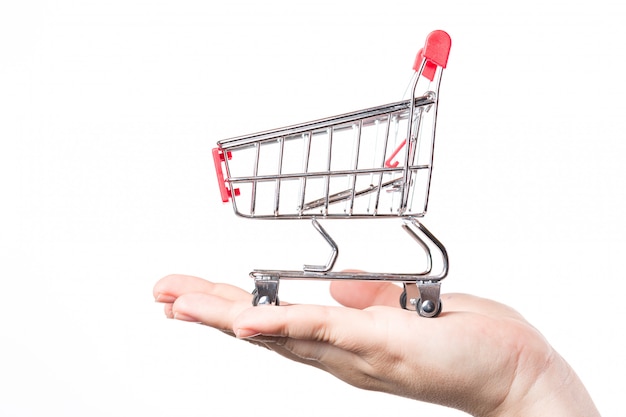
185, 317
164, 298
246, 333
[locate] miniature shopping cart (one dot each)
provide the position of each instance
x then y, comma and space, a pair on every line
371, 163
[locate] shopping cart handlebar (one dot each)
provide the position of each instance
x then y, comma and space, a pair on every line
435, 52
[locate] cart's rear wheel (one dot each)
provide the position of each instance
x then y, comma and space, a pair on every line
426, 309
403, 299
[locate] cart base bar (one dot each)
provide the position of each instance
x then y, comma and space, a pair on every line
420, 294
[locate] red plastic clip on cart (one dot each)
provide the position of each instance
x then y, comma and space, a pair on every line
371, 163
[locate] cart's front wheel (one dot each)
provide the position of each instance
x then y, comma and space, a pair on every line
263, 299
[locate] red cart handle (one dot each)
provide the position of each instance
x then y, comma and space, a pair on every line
435, 52
218, 158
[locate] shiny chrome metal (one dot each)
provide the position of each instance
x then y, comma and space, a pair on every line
340, 122
333, 255
359, 159
349, 194
421, 289
266, 290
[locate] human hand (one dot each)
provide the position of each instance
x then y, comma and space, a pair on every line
478, 356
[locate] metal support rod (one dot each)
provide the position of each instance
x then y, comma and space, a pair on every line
333, 255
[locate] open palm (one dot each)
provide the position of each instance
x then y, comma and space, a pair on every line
479, 356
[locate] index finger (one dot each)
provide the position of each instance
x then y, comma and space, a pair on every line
169, 288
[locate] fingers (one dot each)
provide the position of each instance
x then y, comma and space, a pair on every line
208, 309
171, 288
221, 313
325, 324
168, 289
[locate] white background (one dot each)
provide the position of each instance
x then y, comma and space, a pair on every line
109, 111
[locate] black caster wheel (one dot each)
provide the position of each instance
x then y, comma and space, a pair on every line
403, 299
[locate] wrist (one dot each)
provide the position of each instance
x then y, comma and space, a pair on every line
555, 390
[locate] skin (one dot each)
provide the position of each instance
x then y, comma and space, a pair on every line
478, 356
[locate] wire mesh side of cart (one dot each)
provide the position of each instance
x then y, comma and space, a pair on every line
375, 162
